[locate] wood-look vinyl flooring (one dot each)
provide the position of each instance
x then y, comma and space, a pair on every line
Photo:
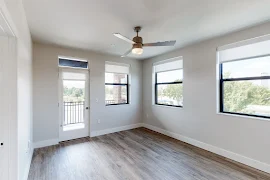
134, 155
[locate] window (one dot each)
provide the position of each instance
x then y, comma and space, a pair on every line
73, 63
169, 82
116, 83
245, 78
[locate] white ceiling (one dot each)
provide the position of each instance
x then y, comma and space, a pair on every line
2, 32
4, 29
89, 24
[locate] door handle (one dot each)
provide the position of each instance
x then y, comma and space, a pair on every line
87, 108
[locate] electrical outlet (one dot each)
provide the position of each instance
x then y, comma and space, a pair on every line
98, 121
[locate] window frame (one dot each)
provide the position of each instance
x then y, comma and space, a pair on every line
72, 60
119, 84
165, 83
221, 89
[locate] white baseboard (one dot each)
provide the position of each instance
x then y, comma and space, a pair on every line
28, 164
46, 143
222, 152
113, 130
52, 142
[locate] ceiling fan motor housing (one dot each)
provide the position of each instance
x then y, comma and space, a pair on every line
137, 45
138, 40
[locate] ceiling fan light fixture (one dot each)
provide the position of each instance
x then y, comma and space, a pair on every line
137, 43
137, 51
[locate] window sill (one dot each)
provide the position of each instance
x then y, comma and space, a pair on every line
167, 106
113, 105
244, 116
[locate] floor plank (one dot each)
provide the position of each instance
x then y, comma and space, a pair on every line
134, 155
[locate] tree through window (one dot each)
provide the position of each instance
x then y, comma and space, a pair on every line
245, 79
169, 83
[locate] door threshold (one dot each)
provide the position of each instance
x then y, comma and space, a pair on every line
71, 127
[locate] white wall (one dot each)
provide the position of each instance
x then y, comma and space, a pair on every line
8, 114
20, 160
198, 119
45, 69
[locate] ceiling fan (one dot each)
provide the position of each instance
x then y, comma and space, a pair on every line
137, 42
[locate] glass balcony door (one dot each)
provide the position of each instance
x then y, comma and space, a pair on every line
74, 103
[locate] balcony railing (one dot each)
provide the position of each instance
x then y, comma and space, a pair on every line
73, 113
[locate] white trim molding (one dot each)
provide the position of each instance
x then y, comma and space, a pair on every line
28, 165
222, 152
113, 130
50, 142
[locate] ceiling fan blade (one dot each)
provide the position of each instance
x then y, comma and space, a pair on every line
129, 51
165, 43
123, 38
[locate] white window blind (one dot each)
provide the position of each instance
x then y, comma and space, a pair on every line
169, 65
112, 67
252, 48
74, 75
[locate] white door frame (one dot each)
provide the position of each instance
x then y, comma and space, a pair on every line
8, 97
60, 97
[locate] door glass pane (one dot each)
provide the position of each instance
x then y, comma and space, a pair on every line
247, 68
247, 97
74, 100
74, 91
115, 94
170, 94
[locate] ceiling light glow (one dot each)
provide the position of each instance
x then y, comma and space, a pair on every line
137, 51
